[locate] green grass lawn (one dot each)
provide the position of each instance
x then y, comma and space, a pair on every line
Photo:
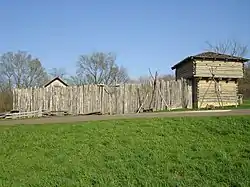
245, 105
208, 151
246, 102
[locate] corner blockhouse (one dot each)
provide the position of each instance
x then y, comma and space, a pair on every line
213, 76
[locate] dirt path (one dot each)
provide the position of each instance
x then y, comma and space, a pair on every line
71, 119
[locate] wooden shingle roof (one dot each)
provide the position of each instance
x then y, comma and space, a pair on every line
212, 56
56, 78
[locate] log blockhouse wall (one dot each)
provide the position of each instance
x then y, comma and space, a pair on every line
220, 69
214, 78
126, 98
214, 82
207, 95
223, 89
185, 70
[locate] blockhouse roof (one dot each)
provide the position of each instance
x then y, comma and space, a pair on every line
211, 56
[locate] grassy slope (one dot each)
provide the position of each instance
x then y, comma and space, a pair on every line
183, 152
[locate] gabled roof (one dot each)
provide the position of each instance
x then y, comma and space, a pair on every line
211, 56
56, 78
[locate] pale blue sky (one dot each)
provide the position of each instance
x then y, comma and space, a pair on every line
143, 34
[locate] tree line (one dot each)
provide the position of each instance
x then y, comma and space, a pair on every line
22, 70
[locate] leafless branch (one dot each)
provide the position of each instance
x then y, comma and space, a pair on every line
58, 72
231, 47
20, 69
100, 68
154, 81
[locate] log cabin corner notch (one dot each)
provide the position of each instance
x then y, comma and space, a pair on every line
213, 76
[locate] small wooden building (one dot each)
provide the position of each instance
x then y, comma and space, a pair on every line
56, 82
213, 76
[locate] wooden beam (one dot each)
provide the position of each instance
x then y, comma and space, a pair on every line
198, 78
101, 85
210, 78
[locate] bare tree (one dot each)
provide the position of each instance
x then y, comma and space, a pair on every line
148, 78
100, 68
143, 79
167, 77
231, 47
20, 69
75, 80
244, 84
58, 72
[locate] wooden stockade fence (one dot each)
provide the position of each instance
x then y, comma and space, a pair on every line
32, 114
120, 99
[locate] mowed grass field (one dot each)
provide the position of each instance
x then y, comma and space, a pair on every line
208, 151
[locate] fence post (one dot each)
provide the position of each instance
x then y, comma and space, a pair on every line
40, 112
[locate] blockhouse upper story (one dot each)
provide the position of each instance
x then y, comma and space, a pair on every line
210, 64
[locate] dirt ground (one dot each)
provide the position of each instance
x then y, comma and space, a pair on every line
72, 119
